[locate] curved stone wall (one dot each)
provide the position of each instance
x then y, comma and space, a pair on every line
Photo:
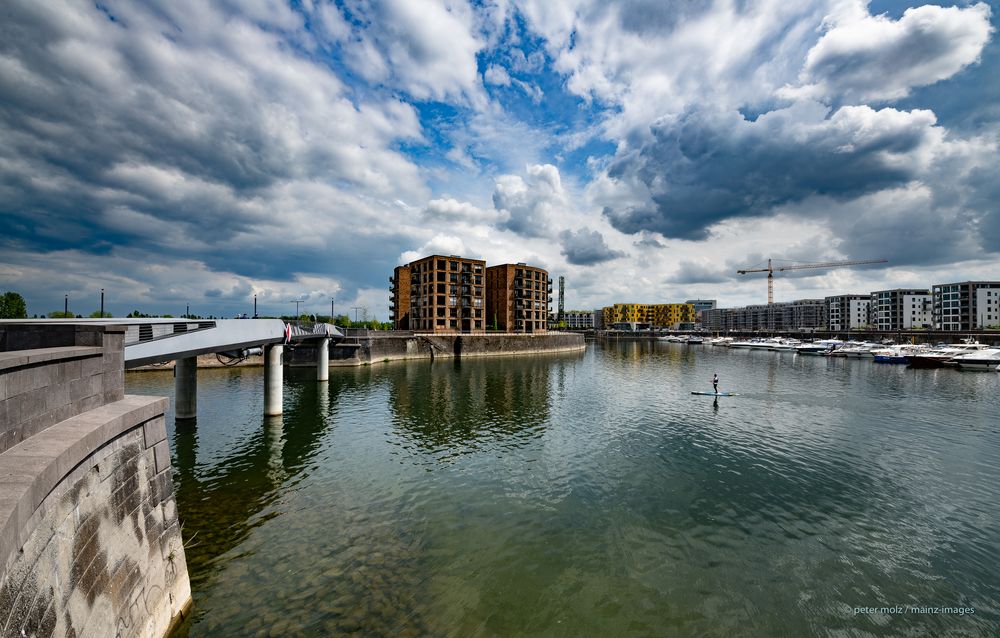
89, 538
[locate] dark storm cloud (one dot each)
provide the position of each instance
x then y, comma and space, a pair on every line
585, 247
708, 166
186, 132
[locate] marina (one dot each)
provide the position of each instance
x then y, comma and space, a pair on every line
591, 494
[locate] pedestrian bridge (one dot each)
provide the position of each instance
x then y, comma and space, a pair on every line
152, 341
149, 341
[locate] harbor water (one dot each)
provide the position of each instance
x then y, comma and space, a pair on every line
592, 495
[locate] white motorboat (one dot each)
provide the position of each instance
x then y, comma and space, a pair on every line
857, 350
985, 359
784, 345
695, 340
942, 354
818, 348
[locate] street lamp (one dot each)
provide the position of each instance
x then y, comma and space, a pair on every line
297, 302
102, 303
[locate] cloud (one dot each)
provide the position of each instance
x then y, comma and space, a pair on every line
691, 272
440, 244
427, 49
198, 134
865, 57
529, 202
496, 75
585, 247
452, 210
648, 241
707, 166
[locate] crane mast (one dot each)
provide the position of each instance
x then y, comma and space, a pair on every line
770, 270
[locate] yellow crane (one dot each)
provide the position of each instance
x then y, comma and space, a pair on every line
770, 270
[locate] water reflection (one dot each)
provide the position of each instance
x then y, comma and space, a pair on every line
463, 405
594, 495
222, 498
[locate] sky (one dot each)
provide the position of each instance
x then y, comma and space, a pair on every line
190, 153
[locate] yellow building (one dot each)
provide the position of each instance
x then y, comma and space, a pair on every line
660, 315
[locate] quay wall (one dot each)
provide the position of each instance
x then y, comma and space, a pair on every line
362, 349
90, 543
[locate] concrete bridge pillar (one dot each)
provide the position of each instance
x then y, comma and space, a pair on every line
323, 360
186, 388
273, 379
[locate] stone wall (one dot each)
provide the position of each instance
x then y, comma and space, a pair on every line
90, 543
41, 386
388, 346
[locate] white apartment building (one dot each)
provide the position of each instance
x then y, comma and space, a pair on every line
847, 312
579, 320
987, 307
901, 309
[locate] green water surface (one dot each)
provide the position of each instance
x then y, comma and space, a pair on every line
593, 495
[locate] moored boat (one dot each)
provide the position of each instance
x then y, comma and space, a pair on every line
984, 359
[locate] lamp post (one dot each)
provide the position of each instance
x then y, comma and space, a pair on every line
255, 306
297, 302
66, 306
331, 310
102, 303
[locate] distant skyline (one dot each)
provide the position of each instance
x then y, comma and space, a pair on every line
188, 152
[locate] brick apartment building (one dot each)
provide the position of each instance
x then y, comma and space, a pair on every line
517, 298
439, 294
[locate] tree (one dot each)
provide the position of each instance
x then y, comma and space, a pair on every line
12, 306
59, 314
97, 315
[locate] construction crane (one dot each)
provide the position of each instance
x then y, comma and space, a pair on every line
770, 270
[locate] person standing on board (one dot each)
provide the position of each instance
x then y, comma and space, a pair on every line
715, 382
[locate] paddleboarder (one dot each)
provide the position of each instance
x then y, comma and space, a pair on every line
715, 382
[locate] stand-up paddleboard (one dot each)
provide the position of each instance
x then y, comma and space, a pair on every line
715, 394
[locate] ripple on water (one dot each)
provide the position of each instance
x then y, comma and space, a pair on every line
593, 495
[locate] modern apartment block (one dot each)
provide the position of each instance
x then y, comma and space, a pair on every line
802, 314
518, 298
901, 309
661, 315
579, 319
439, 294
968, 305
847, 312
987, 308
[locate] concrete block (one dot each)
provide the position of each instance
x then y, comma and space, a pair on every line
56, 396
154, 431
162, 451
69, 370
90, 366
113, 396
25, 380
85, 387
23, 407
113, 378
3, 386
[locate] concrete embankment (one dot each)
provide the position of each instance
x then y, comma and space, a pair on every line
90, 543
374, 347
